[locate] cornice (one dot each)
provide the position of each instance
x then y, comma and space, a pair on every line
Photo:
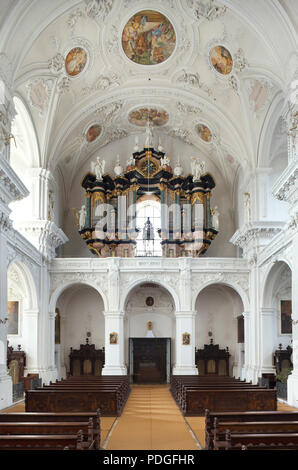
261, 232
11, 187
44, 235
286, 187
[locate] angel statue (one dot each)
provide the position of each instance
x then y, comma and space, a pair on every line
149, 135
82, 217
215, 218
130, 161
97, 167
197, 168
164, 161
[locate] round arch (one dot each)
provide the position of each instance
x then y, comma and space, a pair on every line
22, 289
162, 284
32, 301
61, 288
272, 272
242, 294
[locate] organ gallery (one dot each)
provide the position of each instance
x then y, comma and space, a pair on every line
110, 223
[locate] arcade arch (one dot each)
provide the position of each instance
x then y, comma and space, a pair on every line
151, 303
218, 308
81, 311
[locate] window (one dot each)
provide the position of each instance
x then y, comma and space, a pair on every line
148, 222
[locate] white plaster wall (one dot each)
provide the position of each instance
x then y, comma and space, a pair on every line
221, 196
217, 310
81, 309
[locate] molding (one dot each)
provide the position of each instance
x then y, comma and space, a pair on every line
11, 187
256, 234
44, 235
286, 186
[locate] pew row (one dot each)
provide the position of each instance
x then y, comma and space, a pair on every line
248, 423
53, 424
45, 442
78, 395
196, 394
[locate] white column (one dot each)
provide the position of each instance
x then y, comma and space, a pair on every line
5, 379
253, 366
52, 365
30, 339
46, 330
293, 378
246, 365
268, 335
114, 350
185, 353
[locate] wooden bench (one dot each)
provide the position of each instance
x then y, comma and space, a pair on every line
228, 399
45, 442
52, 423
216, 424
109, 393
193, 394
260, 441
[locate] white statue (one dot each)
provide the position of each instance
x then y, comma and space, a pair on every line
197, 168
178, 170
246, 208
82, 217
130, 161
164, 161
149, 135
97, 167
118, 168
215, 218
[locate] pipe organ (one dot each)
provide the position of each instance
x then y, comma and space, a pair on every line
109, 223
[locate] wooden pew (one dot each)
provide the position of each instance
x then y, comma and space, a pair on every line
109, 393
45, 442
194, 394
264, 441
74, 400
228, 399
249, 422
53, 423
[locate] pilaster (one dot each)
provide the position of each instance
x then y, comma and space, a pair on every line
114, 344
185, 344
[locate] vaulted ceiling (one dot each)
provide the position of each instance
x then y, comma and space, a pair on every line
74, 65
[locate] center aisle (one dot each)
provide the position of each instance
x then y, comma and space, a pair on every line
151, 420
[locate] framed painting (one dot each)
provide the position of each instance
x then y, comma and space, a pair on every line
285, 316
13, 317
186, 339
113, 338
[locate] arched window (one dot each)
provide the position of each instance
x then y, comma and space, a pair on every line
148, 222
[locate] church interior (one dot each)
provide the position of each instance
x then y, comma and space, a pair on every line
148, 224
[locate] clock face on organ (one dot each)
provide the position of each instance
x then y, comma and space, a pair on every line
148, 167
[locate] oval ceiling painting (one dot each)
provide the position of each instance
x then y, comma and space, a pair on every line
139, 117
93, 132
75, 61
221, 60
204, 132
148, 38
